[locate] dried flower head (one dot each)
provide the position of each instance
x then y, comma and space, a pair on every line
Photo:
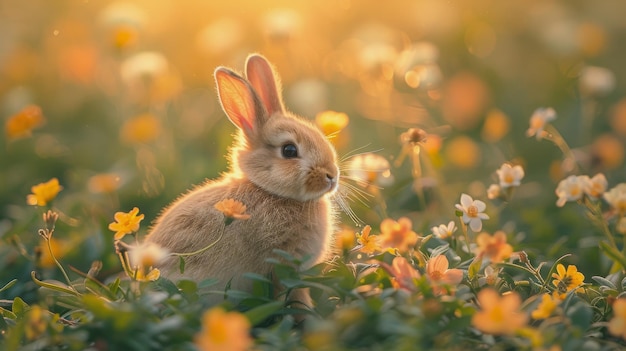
413, 136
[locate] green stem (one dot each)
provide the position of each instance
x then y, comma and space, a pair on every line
67, 278
597, 214
187, 254
466, 234
558, 140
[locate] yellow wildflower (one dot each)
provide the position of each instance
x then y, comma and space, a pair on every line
140, 275
369, 244
44, 259
344, 239
126, 223
499, 314
546, 307
43, 193
232, 209
36, 323
566, 280
226, 331
22, 123
617, 325
398, 235
495, 247
331, 122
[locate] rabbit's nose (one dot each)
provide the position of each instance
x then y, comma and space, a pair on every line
331, 180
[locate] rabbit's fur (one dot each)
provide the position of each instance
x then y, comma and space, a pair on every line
287, 198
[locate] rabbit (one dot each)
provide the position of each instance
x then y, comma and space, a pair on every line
282, 168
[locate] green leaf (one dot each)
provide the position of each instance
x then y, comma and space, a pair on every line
261, 313
580, 314
613, 254
57, 287
474, 268
115, 286
7, 314
257, 277
19, 307
8, 285
181, 264
604, 282
188, 286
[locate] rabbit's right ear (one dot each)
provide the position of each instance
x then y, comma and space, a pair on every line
239, 101
265, 82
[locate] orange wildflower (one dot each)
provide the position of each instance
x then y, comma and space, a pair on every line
438, 273
403, 273
224, 331
22, 123
232, 209
397, 234
495, 247
141, 129
617, 325
499, 314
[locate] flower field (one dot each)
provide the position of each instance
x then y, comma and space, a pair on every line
481, 203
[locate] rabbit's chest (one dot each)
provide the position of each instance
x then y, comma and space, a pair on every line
302, 229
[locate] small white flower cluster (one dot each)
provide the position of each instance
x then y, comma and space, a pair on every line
574, 187
509, 177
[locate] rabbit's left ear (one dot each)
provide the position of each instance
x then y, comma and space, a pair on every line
239, 101
261, 76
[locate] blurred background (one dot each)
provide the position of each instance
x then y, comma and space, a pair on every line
117, 100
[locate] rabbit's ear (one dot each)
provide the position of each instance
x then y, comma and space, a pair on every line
260, 74
239, 101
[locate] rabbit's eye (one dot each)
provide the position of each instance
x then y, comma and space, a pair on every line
289, 151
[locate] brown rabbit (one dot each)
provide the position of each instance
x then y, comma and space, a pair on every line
282, 169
